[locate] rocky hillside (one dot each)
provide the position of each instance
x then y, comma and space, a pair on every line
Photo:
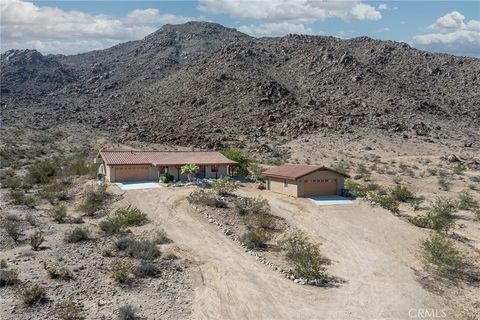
205, 85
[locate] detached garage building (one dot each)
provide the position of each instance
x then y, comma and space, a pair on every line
305, 180
122, 166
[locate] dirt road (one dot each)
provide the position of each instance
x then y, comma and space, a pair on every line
373, 251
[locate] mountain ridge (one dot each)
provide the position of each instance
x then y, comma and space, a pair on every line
201, 84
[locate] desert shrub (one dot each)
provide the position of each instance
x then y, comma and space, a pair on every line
476, 213
466, 202
249, 205
161, 237
439, 216
402, 194
33, 294
78, 167
70, 310
36, 240
444, 184
166, 178
19, 197
356, 188
111, 226
169, 255
8, 277
56, 190
11, 182
342, 167
242, 159
123, 243
130, 216
143, 249
363, 172
475, 179
146, 269
76, 235
121, 269
31, 219
127, 312
205, 198
13, 229
459, 169
58, 213
254, 239
41, 172
447, 260
95, 200
305, 256
55, 272
3, 264
386, 202
224, 186
256, 172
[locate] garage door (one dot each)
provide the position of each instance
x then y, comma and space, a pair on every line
131, 173
321, 187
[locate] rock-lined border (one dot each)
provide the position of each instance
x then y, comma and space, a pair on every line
286, 273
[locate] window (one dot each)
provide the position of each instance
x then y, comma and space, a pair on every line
214, 168
285, 183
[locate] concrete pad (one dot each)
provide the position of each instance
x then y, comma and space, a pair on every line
137, 185
329, 200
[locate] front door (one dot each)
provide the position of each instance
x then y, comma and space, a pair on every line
201, 172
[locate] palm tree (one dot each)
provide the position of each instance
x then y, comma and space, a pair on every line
189, 170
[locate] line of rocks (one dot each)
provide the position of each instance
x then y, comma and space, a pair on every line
286, 273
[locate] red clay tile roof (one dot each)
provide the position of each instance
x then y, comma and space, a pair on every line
163, 158
295, 171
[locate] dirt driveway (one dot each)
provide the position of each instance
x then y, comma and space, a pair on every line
373, 251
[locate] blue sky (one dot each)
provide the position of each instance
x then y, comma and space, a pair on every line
77, 26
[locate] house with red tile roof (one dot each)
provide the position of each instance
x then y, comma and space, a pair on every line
133, 165
305, 180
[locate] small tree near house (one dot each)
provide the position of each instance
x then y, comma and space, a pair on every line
189, 170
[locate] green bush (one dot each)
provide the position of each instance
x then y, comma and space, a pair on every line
402, 194
13, 229
70, 310
58, 213
363, 172
78, 167
95, 200
33, 294
11, 182
36, 240
58, 272
3, 264
143, 249
76, 235
305, 256
254, 239
249, 205
386, 202
444, 184
166, 178
111, 226
439, 216
205, 198
146, 269
130, 216
123, 243
31, 219
161, 237
242, 159
8, 277
224, 187
256, 172
127, 312
19, 197
356, 188
466, 202
121, 269
342, 167
55, 191
447, 260
41, 172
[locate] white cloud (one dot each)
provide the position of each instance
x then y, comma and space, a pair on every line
383, 6
292, 10
452, 34
53, 30
275, 29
